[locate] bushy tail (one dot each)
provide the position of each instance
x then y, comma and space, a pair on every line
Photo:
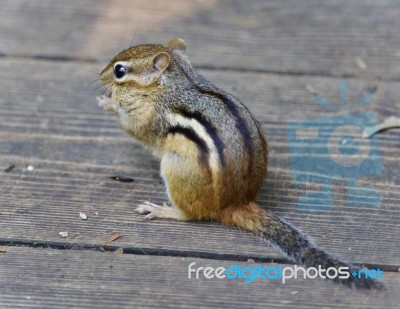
294, 245
298, 248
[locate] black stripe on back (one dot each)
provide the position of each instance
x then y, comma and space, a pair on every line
192, 135
240, 122
211, 130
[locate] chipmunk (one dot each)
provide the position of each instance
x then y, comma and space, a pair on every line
213, 152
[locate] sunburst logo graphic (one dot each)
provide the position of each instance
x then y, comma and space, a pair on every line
326, 149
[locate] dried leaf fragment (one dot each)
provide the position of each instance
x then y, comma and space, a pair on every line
82, 215
389, 123
113, 237
63, 234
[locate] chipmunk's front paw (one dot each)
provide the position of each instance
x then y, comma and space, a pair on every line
153, 211
106, 103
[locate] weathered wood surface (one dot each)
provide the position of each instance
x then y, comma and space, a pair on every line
266, 53
46, 278
54, 125
342, 38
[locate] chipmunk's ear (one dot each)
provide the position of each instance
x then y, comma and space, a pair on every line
176, 43
161, 62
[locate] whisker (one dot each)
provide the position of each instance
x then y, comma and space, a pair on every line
95, 89
93, 72
95, 81
107, 88
133, 38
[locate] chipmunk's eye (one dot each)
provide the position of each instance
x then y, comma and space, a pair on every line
119, 71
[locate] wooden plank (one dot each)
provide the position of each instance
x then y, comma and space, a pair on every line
50, 121
342, 38
46, 278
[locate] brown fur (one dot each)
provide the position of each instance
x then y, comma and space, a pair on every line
164, 103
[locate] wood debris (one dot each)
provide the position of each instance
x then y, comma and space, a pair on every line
2, 249
311, 89
113, 237
9, 168
63, 234
122, 178
117, 251
361, 63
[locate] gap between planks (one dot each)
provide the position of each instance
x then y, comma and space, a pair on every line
169, 253
65, 59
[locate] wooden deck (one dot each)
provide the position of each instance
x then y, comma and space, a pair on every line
271, 54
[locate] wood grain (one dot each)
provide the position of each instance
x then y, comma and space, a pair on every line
277, 57
46, 278
53, 124
341, 38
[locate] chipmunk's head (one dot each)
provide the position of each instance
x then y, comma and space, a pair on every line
141, 66
134, 80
